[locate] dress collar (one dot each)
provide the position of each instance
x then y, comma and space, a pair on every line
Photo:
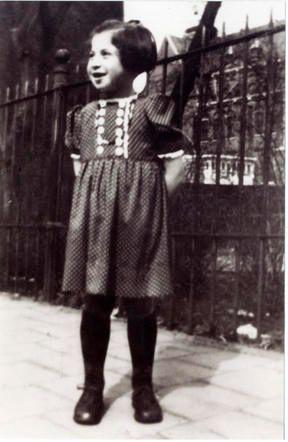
118, 100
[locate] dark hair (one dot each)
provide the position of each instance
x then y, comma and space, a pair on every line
136, 44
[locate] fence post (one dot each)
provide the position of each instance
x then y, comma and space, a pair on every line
53, 223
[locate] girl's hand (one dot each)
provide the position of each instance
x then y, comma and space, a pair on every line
174, 174
76, 163
174, 170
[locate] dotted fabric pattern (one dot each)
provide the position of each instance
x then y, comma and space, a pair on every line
117, 240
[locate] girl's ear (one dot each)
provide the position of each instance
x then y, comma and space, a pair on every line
140, 82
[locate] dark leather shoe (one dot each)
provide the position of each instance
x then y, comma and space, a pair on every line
90, 407
146, 406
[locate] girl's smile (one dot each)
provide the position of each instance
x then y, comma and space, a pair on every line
105, 69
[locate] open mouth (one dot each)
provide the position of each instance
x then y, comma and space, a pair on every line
98, 75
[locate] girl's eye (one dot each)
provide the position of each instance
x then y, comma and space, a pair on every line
105, 53
91, 54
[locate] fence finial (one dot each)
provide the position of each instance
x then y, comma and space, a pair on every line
247, 23
62, 57
203, 36
223, 29
271, 22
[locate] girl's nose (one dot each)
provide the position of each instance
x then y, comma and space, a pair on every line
95, 62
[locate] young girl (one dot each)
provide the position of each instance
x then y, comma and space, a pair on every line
117, 244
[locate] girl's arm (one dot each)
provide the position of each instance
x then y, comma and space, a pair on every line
76, 163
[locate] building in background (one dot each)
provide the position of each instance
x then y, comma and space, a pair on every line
232, 102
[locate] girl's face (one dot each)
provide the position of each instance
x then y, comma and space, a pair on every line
105, 69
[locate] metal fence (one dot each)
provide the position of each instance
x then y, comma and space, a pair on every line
226, 221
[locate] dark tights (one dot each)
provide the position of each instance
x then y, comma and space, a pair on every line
95, 335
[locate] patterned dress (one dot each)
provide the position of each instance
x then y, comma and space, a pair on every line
117, 240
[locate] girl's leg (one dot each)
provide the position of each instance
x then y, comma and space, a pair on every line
142, 336
95, 334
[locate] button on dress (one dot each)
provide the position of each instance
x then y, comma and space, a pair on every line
117, 242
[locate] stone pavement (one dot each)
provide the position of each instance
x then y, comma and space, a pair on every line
206, 392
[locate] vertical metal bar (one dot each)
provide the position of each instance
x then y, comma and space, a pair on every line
172, 302
268, 114
241, 165
13, 133
45, 99
6, 192
269, 109
220, 112
213, 281
62, 106
198, 125
5, 124
26, 261
243, 114
56, 160
191, 292
88, 92
24, 200
20, 234
3, 183
7, 174
23, 111
165, 66
4, 173
34, 116
180, 101
238, 257
8, 256
46, 245
37, 265
219, 147
49, 271
14, 237
28, 244
260, 287
197, 133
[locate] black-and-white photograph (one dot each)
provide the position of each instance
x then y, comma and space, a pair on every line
142, 175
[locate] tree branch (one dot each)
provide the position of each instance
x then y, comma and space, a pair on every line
192, 64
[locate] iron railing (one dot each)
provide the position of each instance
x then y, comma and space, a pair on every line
223, 235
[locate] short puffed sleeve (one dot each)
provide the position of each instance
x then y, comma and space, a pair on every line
160, 111
73, 129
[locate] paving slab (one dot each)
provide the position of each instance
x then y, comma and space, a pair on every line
181, 401
35, 427
206, 391
272, 409
222, 360
26, 373
253, 381
167, 351
172, 372
237, 425
16, 403
190, 431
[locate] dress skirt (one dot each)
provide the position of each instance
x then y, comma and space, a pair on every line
118, 232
